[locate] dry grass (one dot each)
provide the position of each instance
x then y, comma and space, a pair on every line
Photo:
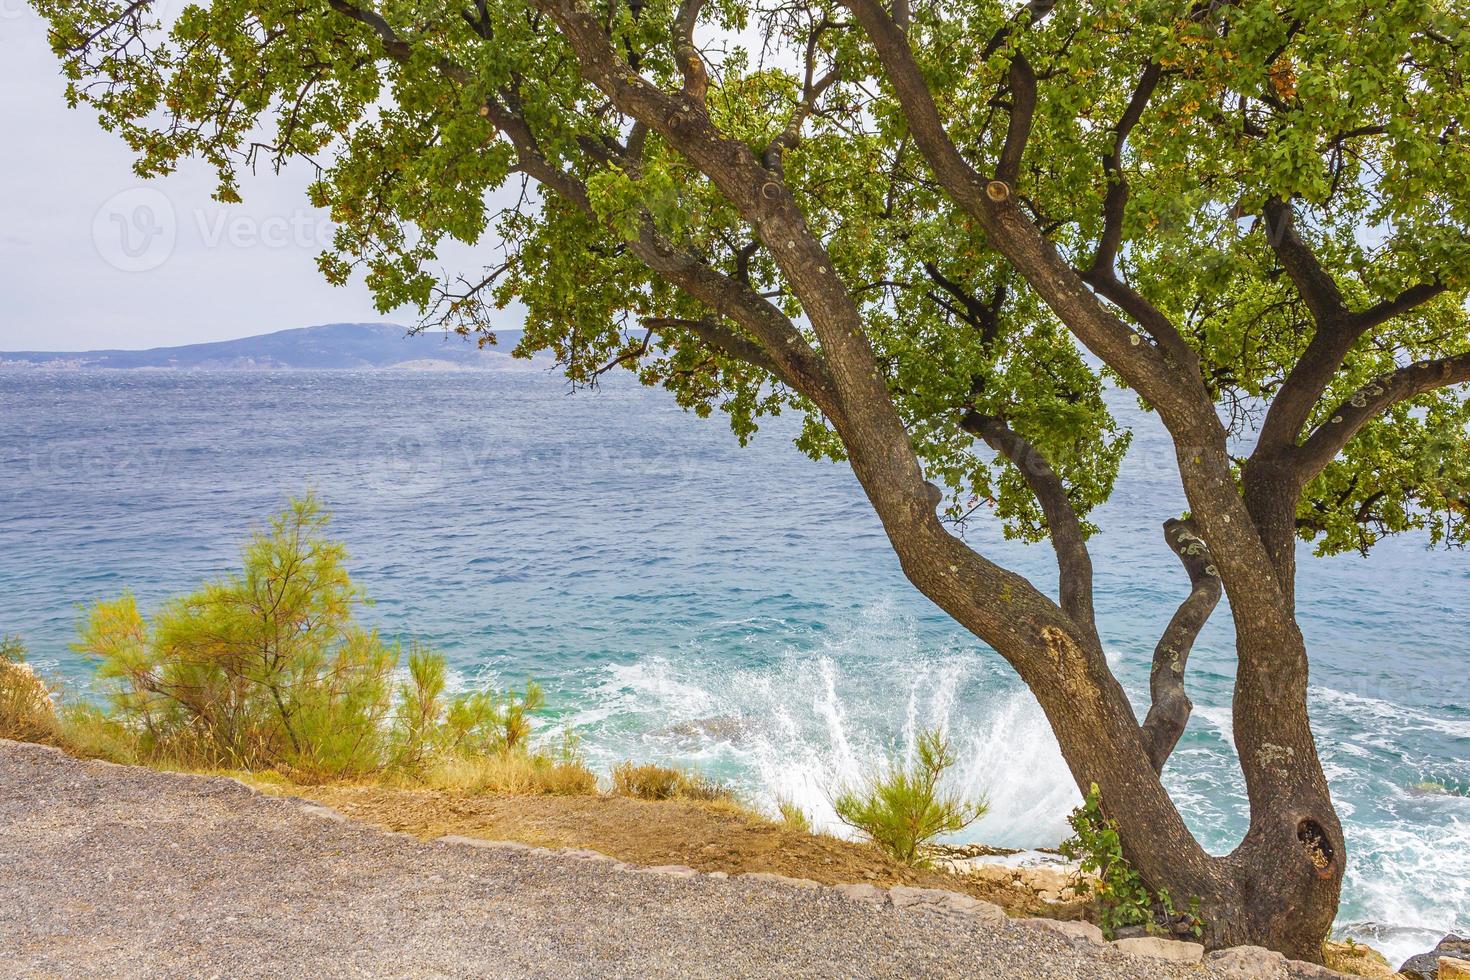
509, 772
708, 836
653, 782
27, 713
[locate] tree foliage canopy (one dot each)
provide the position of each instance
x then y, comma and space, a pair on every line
1345, 119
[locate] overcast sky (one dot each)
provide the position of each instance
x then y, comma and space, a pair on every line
92, 257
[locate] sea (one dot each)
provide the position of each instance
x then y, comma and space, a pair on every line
686, 600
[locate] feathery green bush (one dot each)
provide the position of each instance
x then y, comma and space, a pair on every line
267, 668
904, 808
793, 817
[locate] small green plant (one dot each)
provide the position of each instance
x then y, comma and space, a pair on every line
903, 809
429, 723
483, 722
1120, 897
793, 816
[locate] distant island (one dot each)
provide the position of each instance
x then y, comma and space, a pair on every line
330, 347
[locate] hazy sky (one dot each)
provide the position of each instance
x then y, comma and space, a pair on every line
91, 256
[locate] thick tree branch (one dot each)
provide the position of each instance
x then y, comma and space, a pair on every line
1073, 561
1170, 706
1102, 274
1337, 329
1333, 435
1018, 129
888, 466
720, 338
1115, 201
1315, 285
1380, 313
691, 62
1016, 237
797, 365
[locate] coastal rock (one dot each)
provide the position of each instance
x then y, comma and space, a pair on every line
904, 896
1302, 970
1453, 968
973, 908
1077, 929
501, 845
1248, 963
780, 879
585, 854
1161, 949
1425, 966
1055, 886
863, 892
321, 812
1355, 959
672, 870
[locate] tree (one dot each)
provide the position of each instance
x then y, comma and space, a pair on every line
938, 231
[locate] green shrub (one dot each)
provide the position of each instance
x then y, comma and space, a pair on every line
1120, 897
27, 711
654, 782
263, 668
268, 669
903, 809
90, 731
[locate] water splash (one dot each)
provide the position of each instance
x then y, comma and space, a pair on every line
807, 722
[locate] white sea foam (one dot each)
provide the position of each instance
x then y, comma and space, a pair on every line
1376, 709
814, 721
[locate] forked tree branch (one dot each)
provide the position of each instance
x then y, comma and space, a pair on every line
1016, 237
1073, 561
1176, 391
1337, 329
1169, 707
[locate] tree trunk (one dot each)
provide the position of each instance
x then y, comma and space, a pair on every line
1280, 887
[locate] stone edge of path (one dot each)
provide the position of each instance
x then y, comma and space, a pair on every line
1243, 962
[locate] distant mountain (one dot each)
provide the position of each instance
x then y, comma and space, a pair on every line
333, 347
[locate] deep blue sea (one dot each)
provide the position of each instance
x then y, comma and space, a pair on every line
687, 600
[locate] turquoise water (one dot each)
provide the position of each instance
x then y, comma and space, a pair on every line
684, 599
